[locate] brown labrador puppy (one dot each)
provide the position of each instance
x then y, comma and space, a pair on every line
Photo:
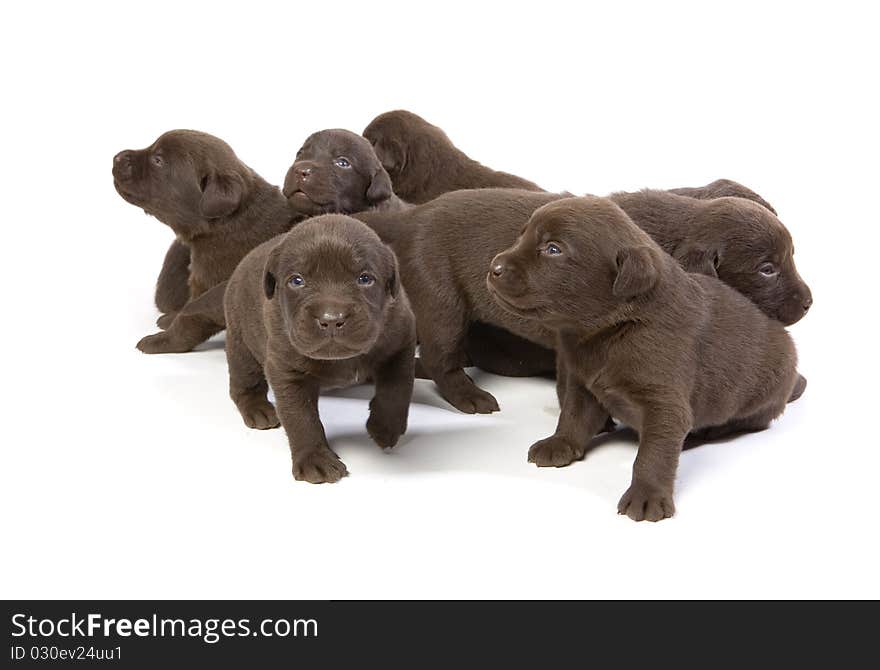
444, 247
424, 163
320, 307
639, 338
337, 171
218, 208
737, 240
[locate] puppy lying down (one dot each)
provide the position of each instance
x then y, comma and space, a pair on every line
639, 338
321, 307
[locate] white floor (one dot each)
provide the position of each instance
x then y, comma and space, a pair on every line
130, 476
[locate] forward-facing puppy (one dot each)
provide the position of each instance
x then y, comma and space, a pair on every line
424, 163
321, 307
218, 208
737, 240
665, 351
337, 171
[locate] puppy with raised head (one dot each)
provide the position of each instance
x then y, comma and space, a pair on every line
321, 307
666, 351
337, 171
424, 163
218, 208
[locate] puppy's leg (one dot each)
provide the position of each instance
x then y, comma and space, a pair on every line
442, 329
389, 408
247, 385
296, 398
580, 419
172, 286
662, 434
196, 322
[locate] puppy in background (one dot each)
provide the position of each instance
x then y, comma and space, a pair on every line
640, 339
424, 163
218, 208
321, 307
337, 171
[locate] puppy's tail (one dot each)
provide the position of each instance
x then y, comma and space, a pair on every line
799, 387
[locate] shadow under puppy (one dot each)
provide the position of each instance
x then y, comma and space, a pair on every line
321, 307
666, 351
218, 208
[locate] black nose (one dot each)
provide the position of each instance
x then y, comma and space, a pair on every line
808, 302
331, 320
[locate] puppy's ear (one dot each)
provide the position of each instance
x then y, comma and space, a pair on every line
637, 272
391, 154
380, 186
697, 258
221, 194
270, 281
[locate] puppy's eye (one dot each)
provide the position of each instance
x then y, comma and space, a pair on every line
552, 249
365, 280
158, 161
296, 281
768, 270
342, 162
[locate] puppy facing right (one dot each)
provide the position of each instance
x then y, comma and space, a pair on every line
639, 338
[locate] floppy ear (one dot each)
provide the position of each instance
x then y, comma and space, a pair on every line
380, 186
269, 280
636, 272
390, 153
698, 258
221, 195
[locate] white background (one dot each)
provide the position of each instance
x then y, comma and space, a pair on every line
126, 475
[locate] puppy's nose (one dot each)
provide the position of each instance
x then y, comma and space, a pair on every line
122, 163
497, 269
304, 172
808, 302
331, 320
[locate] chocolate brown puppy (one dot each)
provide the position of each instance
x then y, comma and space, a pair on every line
338, 171
321, 307
424, 163
737, 240
218, 208
444, 247
722, 188
666, 351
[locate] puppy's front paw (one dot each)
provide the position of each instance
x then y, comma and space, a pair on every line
385, 430
259, 414
555, 451
472, 400
161, 343
165, 321
646, 502
318, 466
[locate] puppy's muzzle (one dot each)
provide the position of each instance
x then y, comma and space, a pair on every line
123, 169
505, 277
